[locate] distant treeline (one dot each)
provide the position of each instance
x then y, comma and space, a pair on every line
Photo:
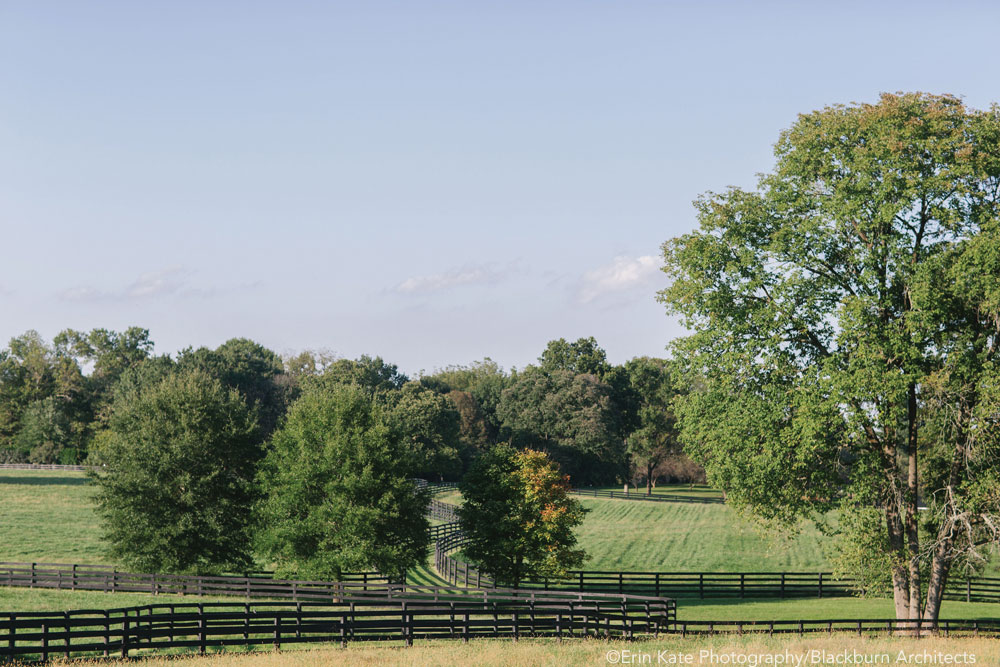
603, 423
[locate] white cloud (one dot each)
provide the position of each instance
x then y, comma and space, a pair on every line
468, 275
622, 274
173, 281
157, 283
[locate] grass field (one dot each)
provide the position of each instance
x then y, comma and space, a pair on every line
702, 651
682, 537
48, 517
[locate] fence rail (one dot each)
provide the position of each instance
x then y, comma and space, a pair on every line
442, 511
437, 613
110, 580
701, 585
650, 497
44, 466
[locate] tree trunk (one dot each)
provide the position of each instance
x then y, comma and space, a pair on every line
912, 493
943, 558
894, 523
649, 478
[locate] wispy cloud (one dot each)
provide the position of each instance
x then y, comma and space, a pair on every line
466, 275
173, 281
621, 275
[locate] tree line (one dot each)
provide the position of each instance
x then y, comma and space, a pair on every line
232, 459
602, 423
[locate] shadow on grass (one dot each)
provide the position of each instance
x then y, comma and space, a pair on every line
44, 481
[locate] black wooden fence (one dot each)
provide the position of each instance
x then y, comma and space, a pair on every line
651, 497
44, 466
424, 613
110, 580
442, 511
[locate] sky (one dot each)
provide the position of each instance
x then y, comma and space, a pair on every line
431, 182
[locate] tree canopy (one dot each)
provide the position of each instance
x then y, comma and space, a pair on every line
519, 517
338, 493
177, 486
846, 316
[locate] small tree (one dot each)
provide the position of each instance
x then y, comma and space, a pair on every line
519, 516
176, 488
337, 491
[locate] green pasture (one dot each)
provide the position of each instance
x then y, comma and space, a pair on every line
48, 517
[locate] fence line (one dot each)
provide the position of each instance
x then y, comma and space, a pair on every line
444, 614
701, 585
44, 466
109, 580
653, 497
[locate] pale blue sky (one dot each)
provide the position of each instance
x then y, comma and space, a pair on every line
433, 182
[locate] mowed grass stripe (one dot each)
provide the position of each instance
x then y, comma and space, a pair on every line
682, 537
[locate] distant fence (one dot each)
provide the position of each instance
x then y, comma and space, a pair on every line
702, 585
44, 466
442, 511
426, 613
109, 580
652, 497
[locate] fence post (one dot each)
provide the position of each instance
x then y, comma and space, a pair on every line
277, 631
107, 633
782, 585
125, 628
742, 584
66, 617
657, 585
821, 584
701, 585
201, 629
968, 589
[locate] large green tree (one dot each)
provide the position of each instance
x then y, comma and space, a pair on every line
846, 316
519, 517
655, 436
249, 368
430, 428
338, 493
177, 485
571, 417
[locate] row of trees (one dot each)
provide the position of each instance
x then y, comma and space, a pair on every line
233, 458
603, 423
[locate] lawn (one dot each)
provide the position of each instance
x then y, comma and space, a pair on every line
688, 537
728, 650
48, 517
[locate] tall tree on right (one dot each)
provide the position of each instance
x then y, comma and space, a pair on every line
846, 319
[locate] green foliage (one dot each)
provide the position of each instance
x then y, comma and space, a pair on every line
372, 374
252, 370
655, 435
45, 431
483, 380
519, 516
337, 493
845, 317
176, 488
429, 424
38, 384
571, 417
